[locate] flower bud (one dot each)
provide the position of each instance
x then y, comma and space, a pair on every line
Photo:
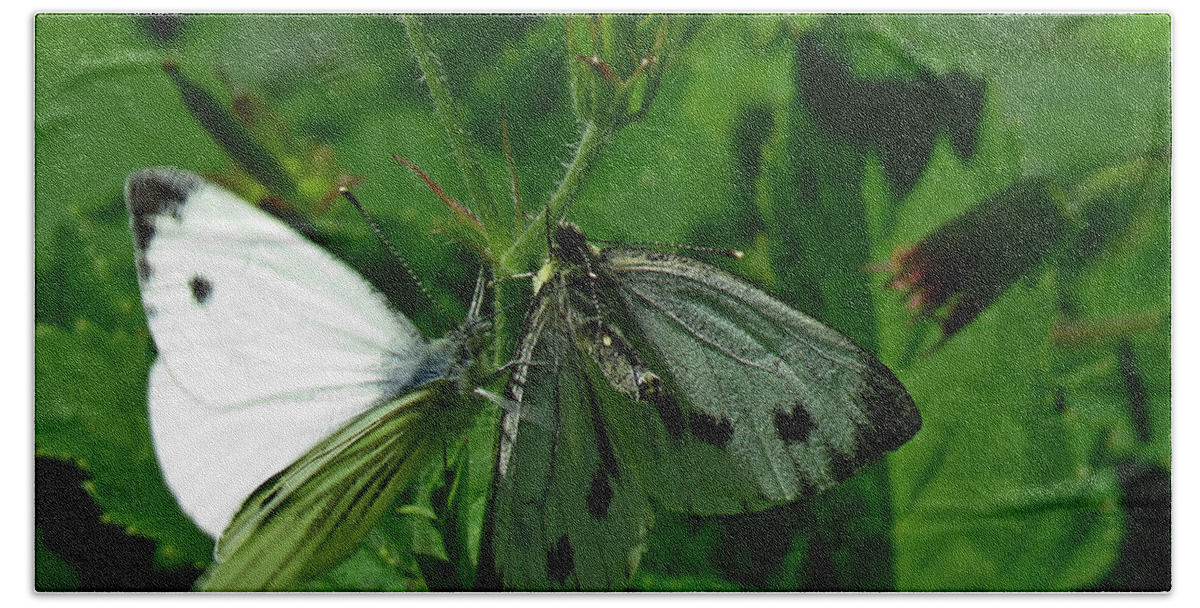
615, 65
959, 269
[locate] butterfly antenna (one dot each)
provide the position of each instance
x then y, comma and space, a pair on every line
729, 253
387, 244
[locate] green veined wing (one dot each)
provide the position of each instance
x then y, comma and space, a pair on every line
313, 514
715, 396
568, 513
793, 406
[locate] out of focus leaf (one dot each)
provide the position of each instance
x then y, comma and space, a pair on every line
90, 388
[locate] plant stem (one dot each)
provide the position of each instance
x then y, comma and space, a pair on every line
451, 118
518, 257
1107, 180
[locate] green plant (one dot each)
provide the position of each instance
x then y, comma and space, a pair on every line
692, 129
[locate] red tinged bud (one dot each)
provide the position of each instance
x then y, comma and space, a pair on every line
959, 269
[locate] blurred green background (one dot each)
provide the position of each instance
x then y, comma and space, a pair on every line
817, 144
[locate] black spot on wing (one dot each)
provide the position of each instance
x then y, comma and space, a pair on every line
650, 389
794, 426
600, 495
607, 460
710, 429
201, 289
560, 560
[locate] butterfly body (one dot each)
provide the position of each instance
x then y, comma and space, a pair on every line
283, 380
674, 384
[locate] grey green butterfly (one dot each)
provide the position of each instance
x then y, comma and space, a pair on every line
648, 380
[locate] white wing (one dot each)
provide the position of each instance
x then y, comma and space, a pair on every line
266, 342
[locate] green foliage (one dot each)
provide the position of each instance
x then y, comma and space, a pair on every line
90, 392
1012, 484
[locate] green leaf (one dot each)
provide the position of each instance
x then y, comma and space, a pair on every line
1002, 503
451, 509
90, 390
376, 566
1005, 491
87, 272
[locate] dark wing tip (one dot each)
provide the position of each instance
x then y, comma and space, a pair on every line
894, 417
151, 191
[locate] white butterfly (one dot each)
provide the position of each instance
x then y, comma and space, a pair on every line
273, 361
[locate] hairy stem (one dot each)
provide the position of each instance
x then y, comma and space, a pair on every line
519, 256
452, 121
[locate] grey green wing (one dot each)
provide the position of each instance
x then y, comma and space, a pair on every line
568, 512
759, 404
313, 514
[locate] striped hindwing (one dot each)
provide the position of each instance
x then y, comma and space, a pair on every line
567, 511
738, 402
313, 514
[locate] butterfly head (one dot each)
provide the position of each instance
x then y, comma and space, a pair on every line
472, 335
568, 248
570, 245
